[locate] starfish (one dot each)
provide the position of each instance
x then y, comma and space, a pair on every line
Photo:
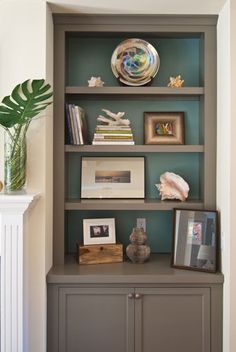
176, 82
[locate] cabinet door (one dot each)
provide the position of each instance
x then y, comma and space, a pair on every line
96, 319
172, 319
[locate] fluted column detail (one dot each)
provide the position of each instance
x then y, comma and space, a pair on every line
12, 210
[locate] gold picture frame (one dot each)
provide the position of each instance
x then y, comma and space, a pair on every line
164, 127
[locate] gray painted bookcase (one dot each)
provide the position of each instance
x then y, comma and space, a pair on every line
125, 307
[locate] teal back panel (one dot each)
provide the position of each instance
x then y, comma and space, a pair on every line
134, 112
186, 165
159, 227
90, 56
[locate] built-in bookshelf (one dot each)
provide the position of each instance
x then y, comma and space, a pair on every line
156, 305
83, 48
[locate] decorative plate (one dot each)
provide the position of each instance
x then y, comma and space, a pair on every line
135, 62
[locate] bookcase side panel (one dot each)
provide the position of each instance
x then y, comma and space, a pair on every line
58, 143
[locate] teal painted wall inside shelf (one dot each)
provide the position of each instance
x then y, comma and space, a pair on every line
134, 112
159, 227
89, 56
187, 165
159, 223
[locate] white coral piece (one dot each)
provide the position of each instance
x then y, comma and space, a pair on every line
113, 119
95, 82
172, 186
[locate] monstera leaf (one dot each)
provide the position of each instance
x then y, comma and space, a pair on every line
26, 101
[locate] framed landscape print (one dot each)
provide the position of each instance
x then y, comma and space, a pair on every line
164, 128
195, 240
116, 177
99, 231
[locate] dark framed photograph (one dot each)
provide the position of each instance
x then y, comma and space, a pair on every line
195, 240
164, 128
99, 231
116, 177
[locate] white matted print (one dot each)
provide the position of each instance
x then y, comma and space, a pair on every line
117, 177
99, 231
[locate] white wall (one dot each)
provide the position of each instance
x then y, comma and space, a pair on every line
138, 6
27, 24
226, 170
223, 155
25, 34
233, 178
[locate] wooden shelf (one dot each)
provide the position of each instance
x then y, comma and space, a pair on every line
134, 148
130, 204
165, 91
156, 271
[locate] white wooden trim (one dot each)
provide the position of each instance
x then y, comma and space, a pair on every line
12, 209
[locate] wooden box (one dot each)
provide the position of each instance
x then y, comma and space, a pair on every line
99, 254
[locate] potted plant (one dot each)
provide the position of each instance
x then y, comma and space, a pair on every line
17, 110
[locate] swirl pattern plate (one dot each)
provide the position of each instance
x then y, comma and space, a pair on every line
135, 62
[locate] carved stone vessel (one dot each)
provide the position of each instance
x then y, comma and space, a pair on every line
138, 251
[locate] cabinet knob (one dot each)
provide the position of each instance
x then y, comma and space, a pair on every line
138, 296
130, 295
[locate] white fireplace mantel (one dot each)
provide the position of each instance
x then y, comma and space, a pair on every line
12, 209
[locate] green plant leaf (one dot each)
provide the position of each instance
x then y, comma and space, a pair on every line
16, 96
43, 97
45, 88
26, 101
10, 103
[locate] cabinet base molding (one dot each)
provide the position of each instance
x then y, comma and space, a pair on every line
99, 254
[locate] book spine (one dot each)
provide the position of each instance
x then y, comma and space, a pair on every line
113, 136
115, 132
113, 142
78, 121
77, 125
84, 127
69, 134
112, 127
72, 124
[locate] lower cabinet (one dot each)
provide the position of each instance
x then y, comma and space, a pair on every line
96, 320
174, 319
133, 319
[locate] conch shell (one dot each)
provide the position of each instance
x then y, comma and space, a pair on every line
172, 186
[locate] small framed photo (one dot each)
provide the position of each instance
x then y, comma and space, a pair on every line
116, 177
195, 240
99, 231
164, 128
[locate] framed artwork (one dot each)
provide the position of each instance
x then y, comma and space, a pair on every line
99, 231
164, 128
195, 240
116, 177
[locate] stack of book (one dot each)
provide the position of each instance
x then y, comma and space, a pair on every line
76, 127
113, 135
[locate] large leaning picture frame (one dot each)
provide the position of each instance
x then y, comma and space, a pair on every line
112, 177
195, 240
